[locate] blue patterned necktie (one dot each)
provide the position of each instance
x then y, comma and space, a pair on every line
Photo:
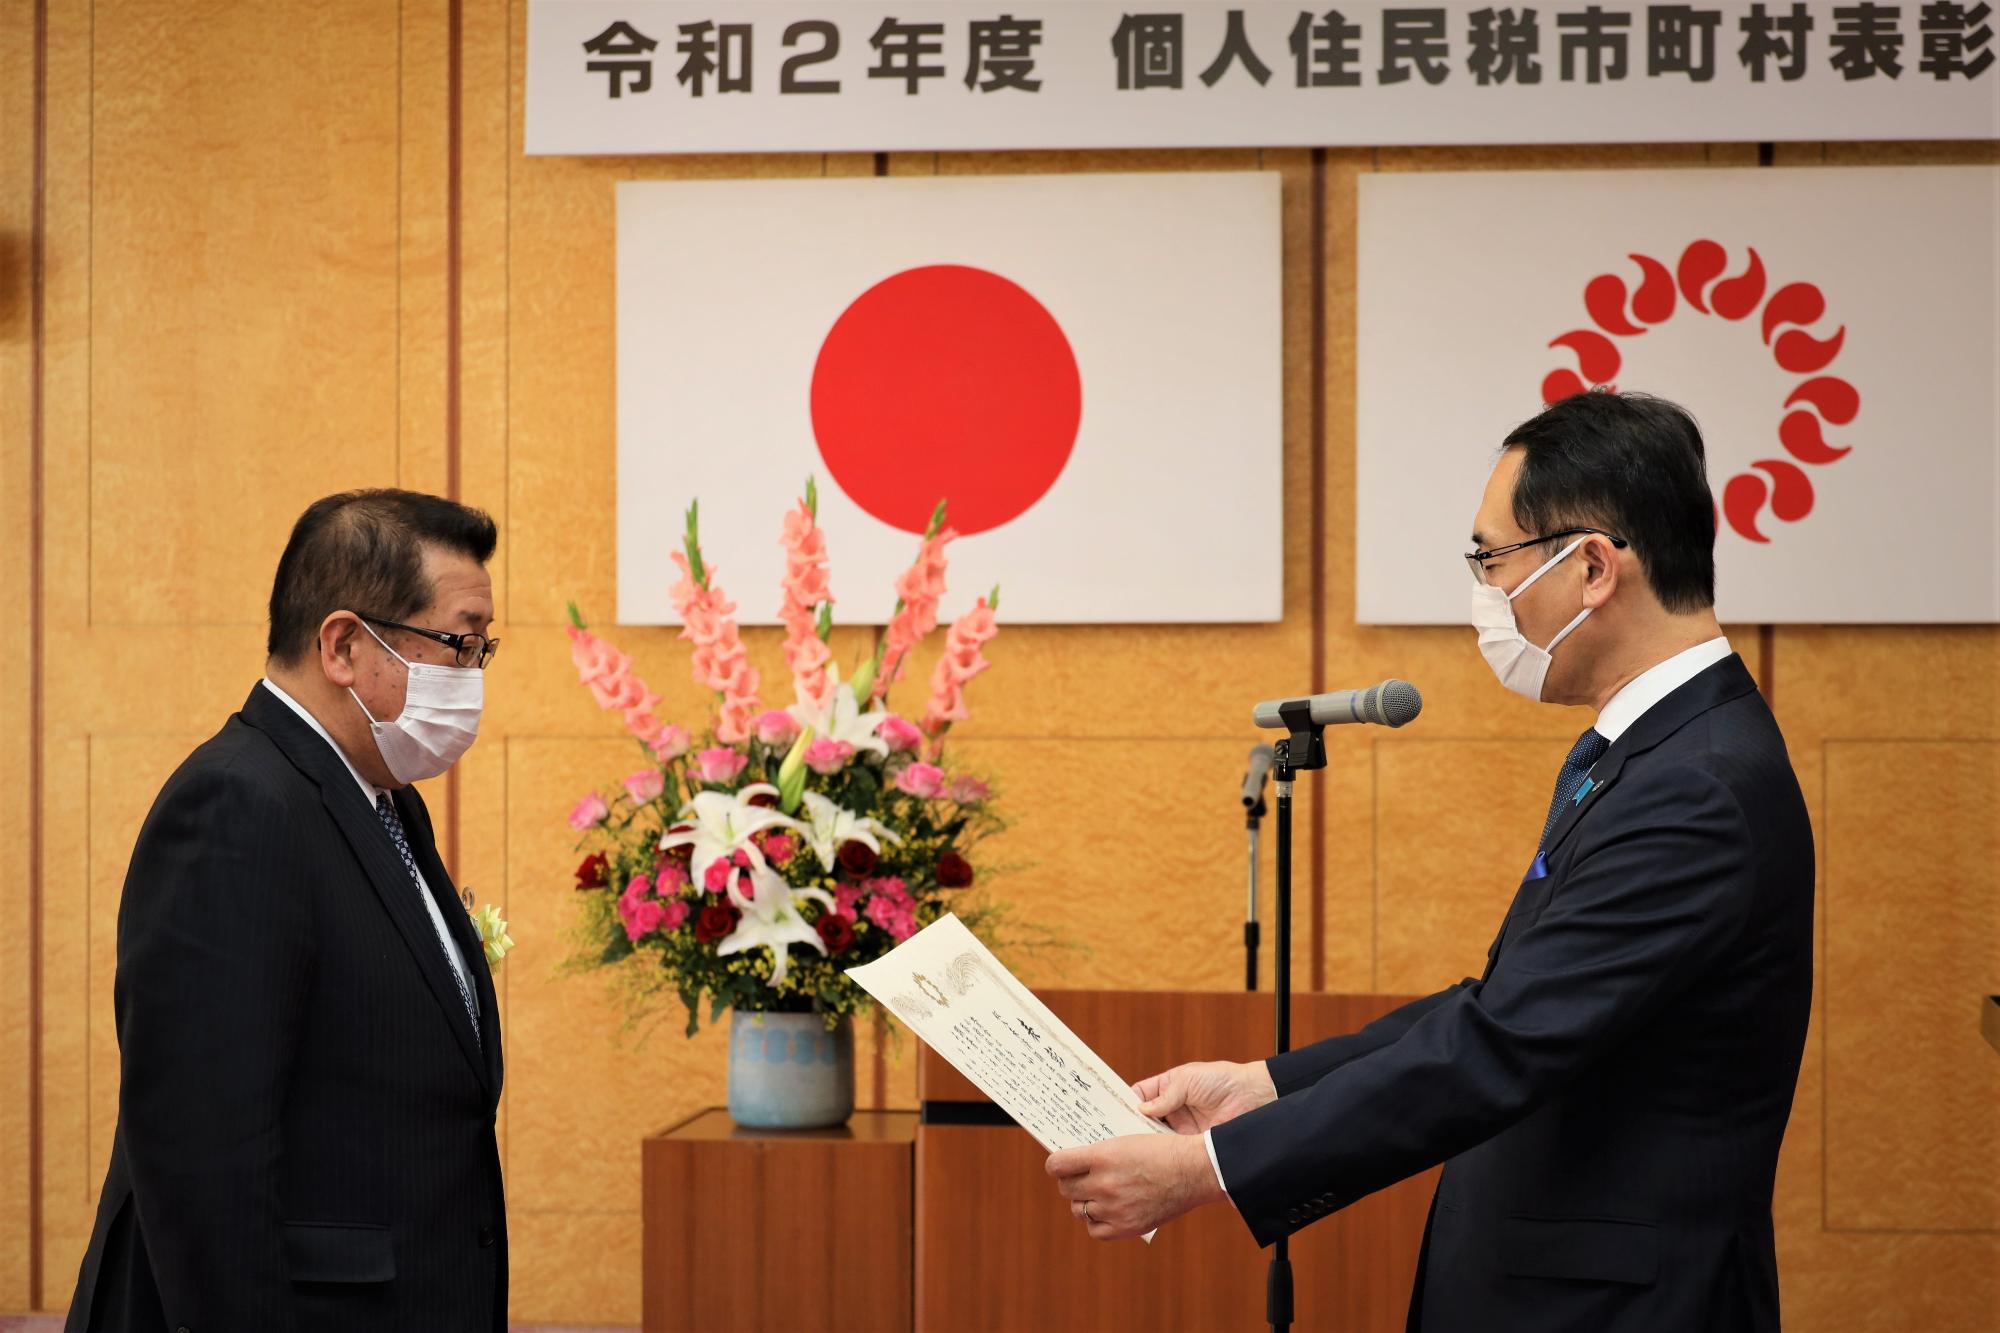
394, 823
1589, 748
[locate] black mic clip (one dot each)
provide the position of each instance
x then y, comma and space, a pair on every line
1304, 747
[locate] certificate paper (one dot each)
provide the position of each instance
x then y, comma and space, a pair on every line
966, 1005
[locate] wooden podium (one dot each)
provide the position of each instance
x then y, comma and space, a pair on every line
947, 1221
998, 1250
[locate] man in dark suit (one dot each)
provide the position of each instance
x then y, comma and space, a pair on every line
1608, 1097
309, 1047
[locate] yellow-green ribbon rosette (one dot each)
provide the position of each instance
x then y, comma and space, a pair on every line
492, 933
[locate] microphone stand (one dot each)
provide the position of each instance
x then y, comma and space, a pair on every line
1303, 749
1252, 933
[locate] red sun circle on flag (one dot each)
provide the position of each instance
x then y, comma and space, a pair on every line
951, 383
1781, 482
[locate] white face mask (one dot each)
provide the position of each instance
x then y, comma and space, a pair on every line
439, 721
1521, 666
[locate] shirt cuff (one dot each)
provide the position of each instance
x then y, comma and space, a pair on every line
1208, 1142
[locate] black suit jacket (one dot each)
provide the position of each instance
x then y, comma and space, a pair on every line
1609, 1097
305, 1119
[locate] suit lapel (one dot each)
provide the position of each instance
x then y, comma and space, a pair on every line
423, 844
1726, 680
383, 867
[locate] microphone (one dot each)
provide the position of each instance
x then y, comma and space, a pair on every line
1261, 759
1390, 704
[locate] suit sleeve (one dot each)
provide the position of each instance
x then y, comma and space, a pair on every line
214, 951
1295, 1070
1639, 914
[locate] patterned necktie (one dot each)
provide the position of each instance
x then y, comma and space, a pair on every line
394, 823
1589, 748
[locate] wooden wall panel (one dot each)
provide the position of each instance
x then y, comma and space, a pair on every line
1912, 1091
244, 315
291, 249
20, 370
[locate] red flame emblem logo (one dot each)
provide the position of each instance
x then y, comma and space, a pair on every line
1819, 400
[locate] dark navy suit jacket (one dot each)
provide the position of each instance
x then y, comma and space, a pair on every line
1608, 1099
305, 1118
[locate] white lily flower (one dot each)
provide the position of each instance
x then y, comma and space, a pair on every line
830, 825
771, 919
723, 825
842, 718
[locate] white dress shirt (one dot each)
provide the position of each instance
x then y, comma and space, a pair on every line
1620, 711
370, 792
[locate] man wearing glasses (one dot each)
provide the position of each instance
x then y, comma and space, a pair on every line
308, 1043
1608, 1097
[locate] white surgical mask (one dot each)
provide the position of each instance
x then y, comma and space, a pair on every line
439, 721
1520, 665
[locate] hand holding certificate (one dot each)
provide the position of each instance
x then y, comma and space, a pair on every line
1123, 1173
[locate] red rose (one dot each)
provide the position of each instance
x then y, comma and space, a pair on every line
953, 871
857, 858
836, 932
764, 799
716, 921
594, 872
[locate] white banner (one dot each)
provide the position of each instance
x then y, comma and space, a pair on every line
1833, 331
657, 76
1087, 368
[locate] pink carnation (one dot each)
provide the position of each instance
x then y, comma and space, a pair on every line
716, 878
645, 785
921, 780
588, 812
967, 790
777, 728
893, 914
719, 764
847, 899
676, 914
962, 661
642, 918
671, 743
670, 876
780, 848
828, 756
899, 735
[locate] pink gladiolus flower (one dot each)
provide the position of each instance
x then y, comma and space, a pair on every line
645, 785
776, 728
968, 790
805, 588
921, 780
961, 662
828, 756
588, 812
920, 586
899, 735
719, 764
608, 673
671, 743
708, 621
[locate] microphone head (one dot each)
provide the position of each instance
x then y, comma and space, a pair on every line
1261, 759
1392, 703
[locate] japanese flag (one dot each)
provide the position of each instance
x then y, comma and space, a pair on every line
1086, 369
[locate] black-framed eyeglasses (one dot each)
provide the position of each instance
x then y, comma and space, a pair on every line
472, 649
1476, 560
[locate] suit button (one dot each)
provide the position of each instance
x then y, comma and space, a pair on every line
485, 1241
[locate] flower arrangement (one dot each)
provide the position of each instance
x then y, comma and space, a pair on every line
749, 865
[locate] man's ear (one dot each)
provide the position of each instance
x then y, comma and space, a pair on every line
1600, 570
337, 640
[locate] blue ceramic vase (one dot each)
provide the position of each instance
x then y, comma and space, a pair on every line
787, 1071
